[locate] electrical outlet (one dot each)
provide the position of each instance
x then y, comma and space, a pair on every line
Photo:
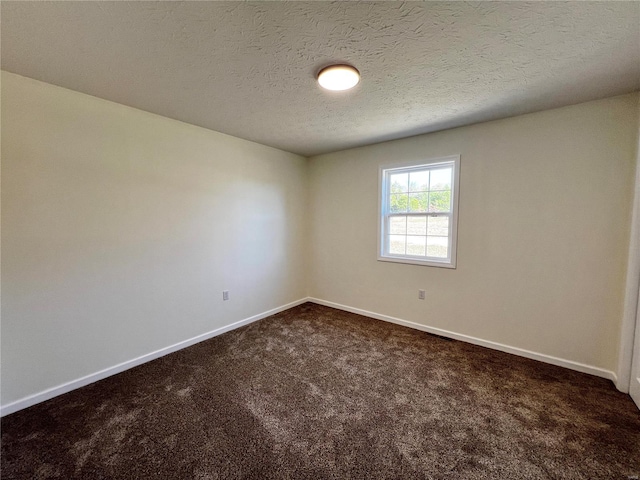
225, 295
421, 294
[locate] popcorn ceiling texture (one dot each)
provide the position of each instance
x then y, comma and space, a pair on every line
317, 393
248, 69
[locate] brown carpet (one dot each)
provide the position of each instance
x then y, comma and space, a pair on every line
317, 393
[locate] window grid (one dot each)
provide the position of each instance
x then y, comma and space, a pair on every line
403, 199
426, 211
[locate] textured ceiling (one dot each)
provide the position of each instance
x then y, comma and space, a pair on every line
248, 69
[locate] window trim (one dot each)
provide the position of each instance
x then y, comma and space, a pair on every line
383, 215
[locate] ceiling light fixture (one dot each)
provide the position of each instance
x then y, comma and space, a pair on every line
338, 77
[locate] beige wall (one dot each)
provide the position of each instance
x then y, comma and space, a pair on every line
120, 229
544, 219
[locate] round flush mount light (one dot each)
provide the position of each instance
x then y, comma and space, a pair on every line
338, 77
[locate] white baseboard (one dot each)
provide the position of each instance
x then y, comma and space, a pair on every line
121, 367
560, 362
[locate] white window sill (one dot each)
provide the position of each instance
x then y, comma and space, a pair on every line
417, 261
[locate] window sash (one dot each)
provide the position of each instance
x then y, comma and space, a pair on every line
387, 229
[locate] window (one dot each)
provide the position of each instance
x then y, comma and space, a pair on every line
418, 212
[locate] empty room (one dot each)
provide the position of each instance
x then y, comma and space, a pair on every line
320, 240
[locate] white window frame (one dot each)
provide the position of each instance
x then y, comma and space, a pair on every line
383, 211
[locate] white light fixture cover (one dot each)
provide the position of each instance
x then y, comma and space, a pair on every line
338, 77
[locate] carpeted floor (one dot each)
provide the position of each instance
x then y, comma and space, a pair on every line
317, 393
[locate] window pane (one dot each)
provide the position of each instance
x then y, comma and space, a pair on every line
438, 226
398, 182
397, 244
418, 211
398, 203
417, 225
419, 181
418, 202
416, 246
437, 247
441, 179
440, 201
398, 225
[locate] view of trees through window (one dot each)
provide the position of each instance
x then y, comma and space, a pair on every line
419, 212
